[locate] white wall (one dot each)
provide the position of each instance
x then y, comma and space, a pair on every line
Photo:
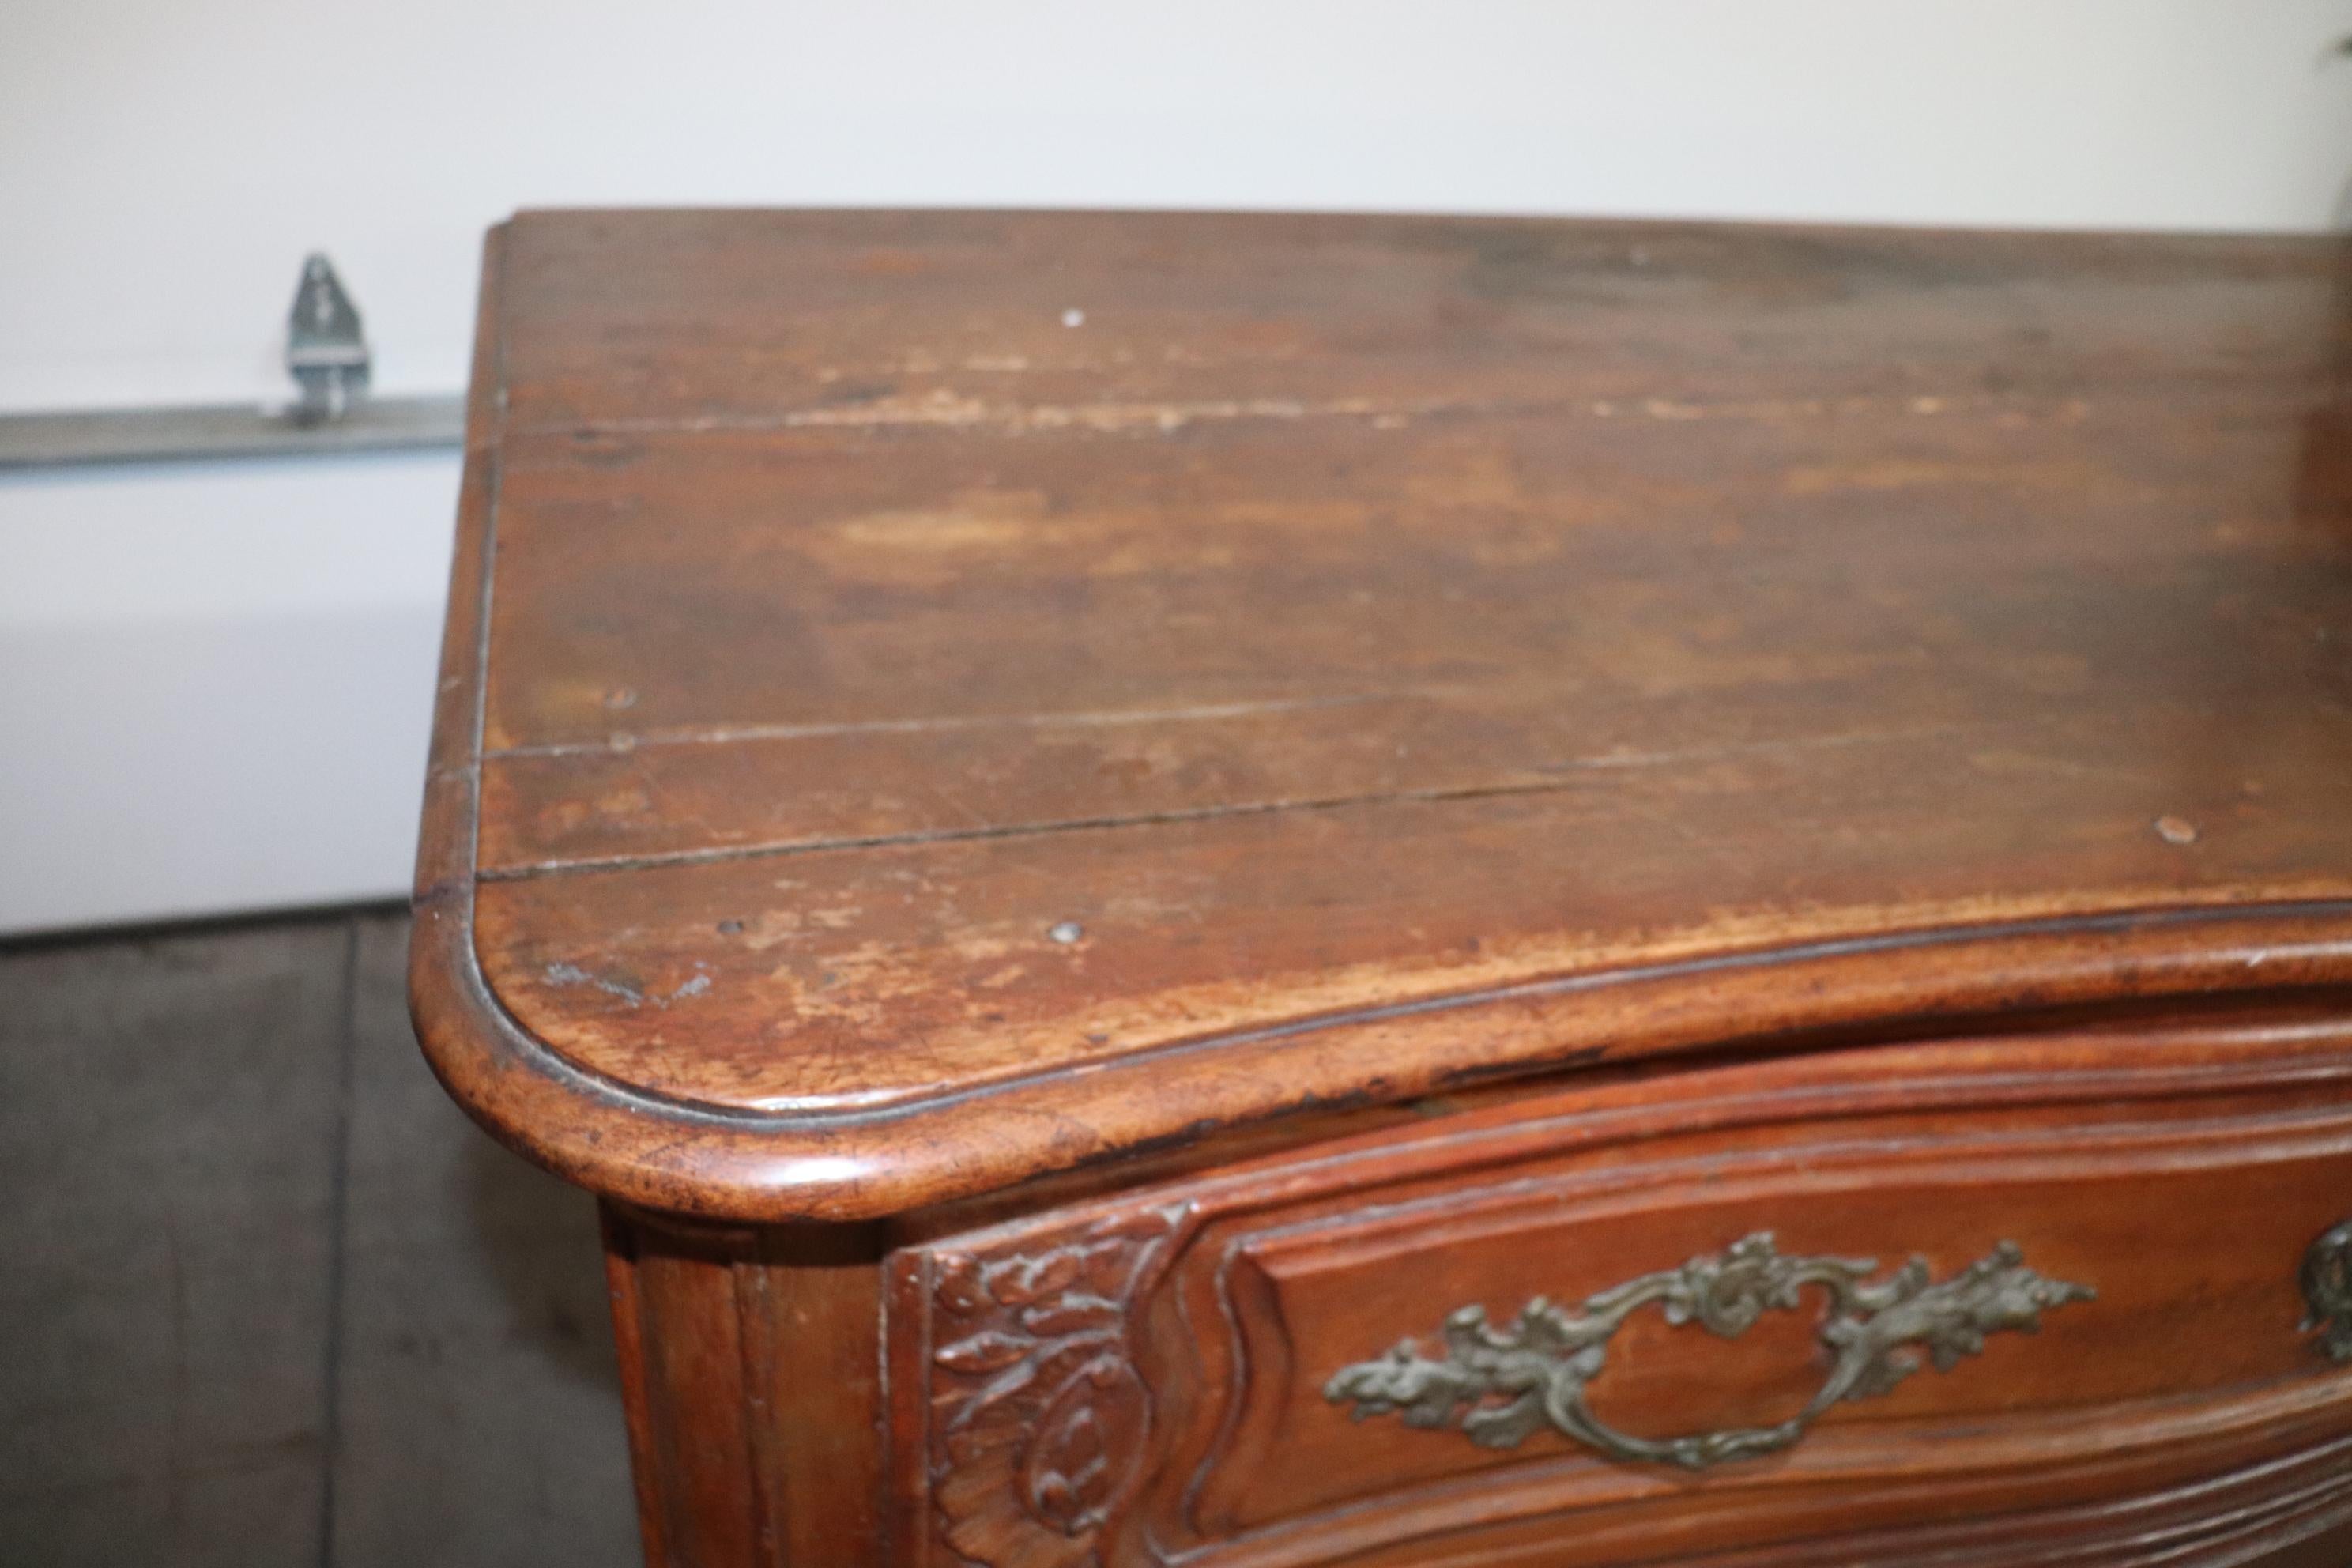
212, 684
215, 683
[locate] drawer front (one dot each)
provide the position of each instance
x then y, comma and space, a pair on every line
2090, 1286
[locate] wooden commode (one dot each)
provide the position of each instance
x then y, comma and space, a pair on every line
1277, 891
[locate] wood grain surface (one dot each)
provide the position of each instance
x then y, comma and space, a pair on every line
935, 698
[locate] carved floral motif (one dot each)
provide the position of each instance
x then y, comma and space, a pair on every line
1038, 1415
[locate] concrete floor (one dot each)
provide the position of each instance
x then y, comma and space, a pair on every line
266, 1298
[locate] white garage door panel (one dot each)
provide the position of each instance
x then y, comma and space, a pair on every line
188, 768
216, 684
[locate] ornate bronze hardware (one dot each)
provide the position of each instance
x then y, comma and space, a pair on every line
2328, 1290
1501, 1386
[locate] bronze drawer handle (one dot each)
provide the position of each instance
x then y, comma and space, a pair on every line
2328, 1290
1501, 1386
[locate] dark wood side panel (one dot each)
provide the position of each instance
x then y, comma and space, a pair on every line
696, 1446
750, 1370
814, 1301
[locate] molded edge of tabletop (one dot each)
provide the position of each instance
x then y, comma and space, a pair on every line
721, 1162
661, 1152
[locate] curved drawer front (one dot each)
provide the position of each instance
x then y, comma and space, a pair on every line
2093, 1283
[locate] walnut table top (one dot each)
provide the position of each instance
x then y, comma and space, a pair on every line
932, 699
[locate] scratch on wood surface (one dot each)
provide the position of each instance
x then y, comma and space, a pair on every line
728, 734
564, 975
2024, 762
945, 407
2066, 477
572, 975
2005, 407
1761, 748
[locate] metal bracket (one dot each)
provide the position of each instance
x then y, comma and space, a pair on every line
327, 355
325, 352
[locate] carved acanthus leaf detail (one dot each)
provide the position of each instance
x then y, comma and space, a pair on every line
1038, 1415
